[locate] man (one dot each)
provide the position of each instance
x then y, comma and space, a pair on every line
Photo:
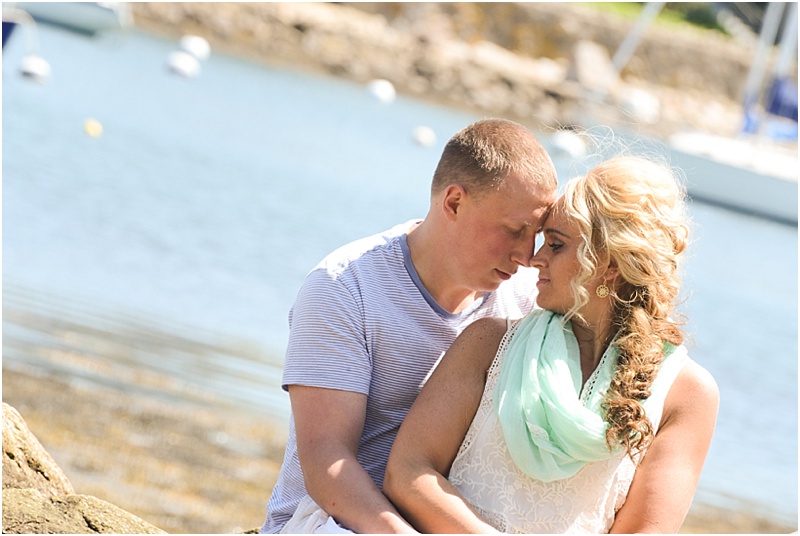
374, 317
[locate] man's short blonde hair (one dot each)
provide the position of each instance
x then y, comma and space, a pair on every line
482, 155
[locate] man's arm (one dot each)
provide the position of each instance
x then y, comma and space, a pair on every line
329, 424
664, 483
429, 439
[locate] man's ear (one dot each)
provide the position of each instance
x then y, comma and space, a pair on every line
452, 199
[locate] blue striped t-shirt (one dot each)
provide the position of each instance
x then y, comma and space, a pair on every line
363, 322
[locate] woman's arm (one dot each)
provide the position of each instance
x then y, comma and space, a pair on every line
429, 439
665, 482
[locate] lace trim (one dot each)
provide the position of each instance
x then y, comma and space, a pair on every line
588, 388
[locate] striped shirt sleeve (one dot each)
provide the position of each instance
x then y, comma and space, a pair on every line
327, 343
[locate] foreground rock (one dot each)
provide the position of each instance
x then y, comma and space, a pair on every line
39, 499
27, 511
26, 464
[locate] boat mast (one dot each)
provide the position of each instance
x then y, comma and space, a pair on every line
755, 78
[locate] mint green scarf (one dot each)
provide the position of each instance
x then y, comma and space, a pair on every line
550, 432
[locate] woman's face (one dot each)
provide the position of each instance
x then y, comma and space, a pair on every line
557, 261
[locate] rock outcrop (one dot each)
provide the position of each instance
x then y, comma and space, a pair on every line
26, 464
27, 511
513, 59
38, 498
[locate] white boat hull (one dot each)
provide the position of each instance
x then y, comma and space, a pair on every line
86, 17
746, 175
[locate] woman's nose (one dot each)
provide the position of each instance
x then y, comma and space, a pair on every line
537, 261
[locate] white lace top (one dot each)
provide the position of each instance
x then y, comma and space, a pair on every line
512, 502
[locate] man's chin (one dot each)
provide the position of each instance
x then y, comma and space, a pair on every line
491, 287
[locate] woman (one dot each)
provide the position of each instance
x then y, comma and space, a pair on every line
591, 418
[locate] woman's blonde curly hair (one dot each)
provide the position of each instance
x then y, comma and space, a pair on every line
632, 212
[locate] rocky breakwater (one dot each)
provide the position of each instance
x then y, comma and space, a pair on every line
541, 64
39, 499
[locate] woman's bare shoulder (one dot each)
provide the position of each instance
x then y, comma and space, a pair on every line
695, 380
478, 343
484, 331
488, 327
693, 395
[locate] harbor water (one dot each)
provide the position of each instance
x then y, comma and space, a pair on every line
203, 203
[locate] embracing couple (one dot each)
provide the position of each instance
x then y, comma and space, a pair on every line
448, 376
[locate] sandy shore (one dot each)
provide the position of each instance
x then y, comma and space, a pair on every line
119, 404
186, 467
191, 467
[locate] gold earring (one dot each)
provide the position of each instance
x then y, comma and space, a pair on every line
602, 291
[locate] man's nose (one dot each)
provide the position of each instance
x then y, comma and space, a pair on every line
523, 253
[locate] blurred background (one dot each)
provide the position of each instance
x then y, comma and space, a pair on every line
172, 171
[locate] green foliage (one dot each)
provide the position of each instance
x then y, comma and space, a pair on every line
628, 10
696, 14
702, 14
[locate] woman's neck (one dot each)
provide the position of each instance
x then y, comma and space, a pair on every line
593, 341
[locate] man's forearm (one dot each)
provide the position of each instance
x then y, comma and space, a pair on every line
347, 492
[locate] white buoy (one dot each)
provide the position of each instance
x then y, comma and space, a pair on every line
569, 143
183, 64
93, 128
35, 68
383, 90
642, 105
196, 46
425, 136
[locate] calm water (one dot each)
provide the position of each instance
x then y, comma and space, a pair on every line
205, 202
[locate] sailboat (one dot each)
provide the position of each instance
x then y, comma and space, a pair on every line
759, 167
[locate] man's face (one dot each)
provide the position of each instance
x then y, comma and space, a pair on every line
497, 231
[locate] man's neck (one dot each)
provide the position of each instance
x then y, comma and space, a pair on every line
430, 261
